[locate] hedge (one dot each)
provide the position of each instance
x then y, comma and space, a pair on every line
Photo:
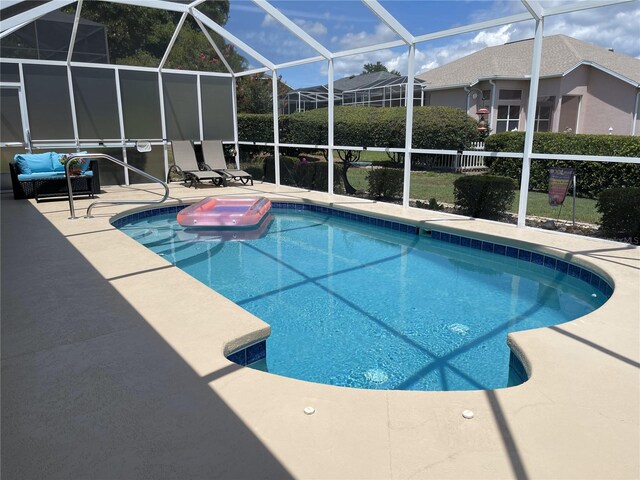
484, 196
257, 127
593, 177
433, 127
620, 209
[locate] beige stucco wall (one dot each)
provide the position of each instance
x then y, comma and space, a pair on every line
609, 102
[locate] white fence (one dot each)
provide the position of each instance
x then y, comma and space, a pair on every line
456, 163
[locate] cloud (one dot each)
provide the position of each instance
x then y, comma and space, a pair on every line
312, 28
614, 27
277, 45
609, 27
492, 38
268, 21
350, 40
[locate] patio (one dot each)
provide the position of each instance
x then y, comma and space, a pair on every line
113, 367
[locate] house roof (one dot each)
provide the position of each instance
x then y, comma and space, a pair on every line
560, 55
359, 82
355, 82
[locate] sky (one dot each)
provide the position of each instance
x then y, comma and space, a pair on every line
345, 24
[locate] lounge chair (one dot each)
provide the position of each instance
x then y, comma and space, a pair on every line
186, 165
214, 157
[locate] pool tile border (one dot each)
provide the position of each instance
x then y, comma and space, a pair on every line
528, 256
249, 355
356, 217
120, 222
521, 254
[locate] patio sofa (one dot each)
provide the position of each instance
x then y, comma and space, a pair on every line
42, 175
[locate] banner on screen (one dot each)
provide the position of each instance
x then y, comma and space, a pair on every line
559, 181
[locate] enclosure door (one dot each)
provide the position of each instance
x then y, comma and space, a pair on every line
12, 117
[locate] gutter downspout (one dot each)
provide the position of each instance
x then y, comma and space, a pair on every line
493, 103
635, 113
467, 90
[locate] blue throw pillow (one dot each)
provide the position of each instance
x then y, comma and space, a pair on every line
87, 163
55, 162
34, 162
23, 165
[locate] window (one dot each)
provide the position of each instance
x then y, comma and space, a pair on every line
543, 118
544, 110
508, 118
510, 94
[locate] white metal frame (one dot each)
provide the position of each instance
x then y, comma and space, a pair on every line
535, 12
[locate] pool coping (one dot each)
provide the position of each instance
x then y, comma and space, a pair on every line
576, 417
256, 351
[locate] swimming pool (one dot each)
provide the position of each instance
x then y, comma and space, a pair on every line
368, 303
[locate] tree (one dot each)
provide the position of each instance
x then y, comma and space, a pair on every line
377, 67
349, 157
140, 36
254, 93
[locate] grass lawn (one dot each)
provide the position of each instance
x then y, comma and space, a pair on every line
426, 185
367, 156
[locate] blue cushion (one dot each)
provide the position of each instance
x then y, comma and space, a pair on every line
55, 162
87, 163
33, 162
24, 177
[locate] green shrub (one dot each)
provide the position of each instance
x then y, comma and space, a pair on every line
255, 170
432, 204
302, 174
484, 196
433, 127
252, 153
255, 127
592, 177
620, 209
385, 182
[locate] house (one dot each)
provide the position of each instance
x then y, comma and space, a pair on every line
583, 88
376, 89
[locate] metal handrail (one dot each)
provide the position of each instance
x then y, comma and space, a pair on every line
110, 202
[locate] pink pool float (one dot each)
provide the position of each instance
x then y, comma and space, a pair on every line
225, 212
225, 234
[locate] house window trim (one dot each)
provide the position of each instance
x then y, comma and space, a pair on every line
509, 118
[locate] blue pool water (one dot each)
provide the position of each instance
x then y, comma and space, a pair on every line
362, 306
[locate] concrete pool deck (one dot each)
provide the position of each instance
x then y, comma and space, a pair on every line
113, 367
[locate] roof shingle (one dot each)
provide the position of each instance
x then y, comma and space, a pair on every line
560, 54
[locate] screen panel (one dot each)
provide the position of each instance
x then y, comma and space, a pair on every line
9, 72
217, 108
94, 91
181, 106
10, 119
140, 105
47, 92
